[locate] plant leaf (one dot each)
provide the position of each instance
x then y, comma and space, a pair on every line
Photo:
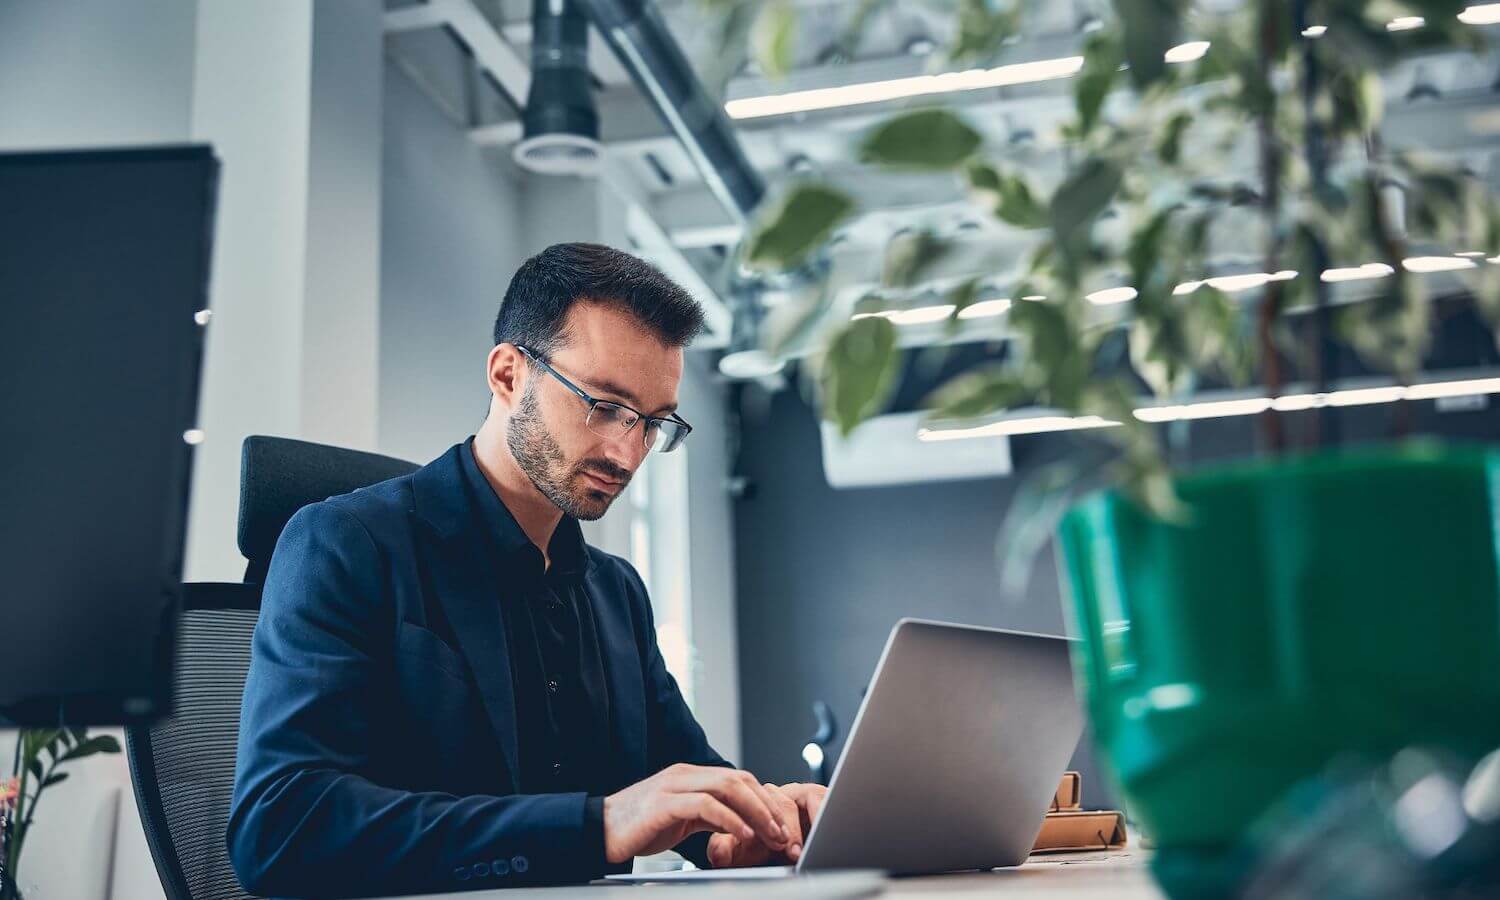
933, 139
982, 29
54, 779
858, 371
1150, 28
796, 226
1102, 56
910, 255
773, 38
978, 393
1007, 195
1079, 200
103, 743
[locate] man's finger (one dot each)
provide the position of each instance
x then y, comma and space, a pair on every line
791, 819
705, 809
741, 793
809, 798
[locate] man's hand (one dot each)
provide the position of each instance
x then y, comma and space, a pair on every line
799, 802
660, 812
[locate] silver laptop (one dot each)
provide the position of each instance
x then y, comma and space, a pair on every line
952, 761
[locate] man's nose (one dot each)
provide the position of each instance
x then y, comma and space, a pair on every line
627, 451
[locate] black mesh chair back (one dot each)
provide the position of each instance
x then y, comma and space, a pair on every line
182, 768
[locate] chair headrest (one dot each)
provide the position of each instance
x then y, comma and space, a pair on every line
279, 476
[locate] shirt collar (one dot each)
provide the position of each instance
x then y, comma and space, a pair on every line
566, 550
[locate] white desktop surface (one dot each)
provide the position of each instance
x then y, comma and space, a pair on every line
1103, 875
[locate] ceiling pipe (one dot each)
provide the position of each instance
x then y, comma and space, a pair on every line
561, 125
640, 38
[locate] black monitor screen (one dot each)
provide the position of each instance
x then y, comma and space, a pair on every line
104, 261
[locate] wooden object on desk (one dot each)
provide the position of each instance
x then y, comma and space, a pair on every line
1069, 793
1069, 827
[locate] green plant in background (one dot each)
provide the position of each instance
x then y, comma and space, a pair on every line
1251, 134
39, 755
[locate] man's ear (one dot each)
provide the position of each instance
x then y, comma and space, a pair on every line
506, 370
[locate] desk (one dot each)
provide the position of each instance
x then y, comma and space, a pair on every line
1105, 875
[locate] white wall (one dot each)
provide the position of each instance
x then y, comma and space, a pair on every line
87, 73
450, 241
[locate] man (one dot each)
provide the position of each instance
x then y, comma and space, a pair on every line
448, 688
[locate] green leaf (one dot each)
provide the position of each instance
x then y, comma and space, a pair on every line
910, 255
54, 779
1079, 200
795, 226
1150, 28
933, 139
1008, 196
858, 371
1057, 359
982, 29
1102, 56
963, 295
1169, 148
774, 37
103, 743
34, 766
979, 393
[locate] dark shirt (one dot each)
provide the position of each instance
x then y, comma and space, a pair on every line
562, 704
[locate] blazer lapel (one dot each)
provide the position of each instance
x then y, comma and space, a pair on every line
461, 576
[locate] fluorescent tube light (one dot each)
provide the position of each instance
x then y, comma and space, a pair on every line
899, 88
1357, 273
1247, 406
1209, 410
1231, 284
1482, 14
1187, 52
1314, 31
922, 315
1112, 295
1010, 427
985, 308
1187, 287
1405, 23
1436, 263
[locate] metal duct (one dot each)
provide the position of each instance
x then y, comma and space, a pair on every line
644, 45
561, 124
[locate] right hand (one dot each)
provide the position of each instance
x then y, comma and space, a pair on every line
659, 812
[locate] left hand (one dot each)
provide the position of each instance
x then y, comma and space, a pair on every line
797, 807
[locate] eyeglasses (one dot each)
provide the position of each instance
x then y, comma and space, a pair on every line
614, 420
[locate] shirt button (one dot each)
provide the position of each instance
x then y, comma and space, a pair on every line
552, 687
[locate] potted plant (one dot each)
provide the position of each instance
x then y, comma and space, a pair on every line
40, 752
1228, 215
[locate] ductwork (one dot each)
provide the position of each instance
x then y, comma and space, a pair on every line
561, 124
640, 38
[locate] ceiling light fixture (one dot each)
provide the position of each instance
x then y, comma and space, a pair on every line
1481, 14
985, 308
1314, 31
1423, 264
1112, 295
1405, 23
1247, 406
1357, 273
1188, 52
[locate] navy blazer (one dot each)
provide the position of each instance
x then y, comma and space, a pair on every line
375, 758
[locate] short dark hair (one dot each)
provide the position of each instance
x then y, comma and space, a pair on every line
548, 284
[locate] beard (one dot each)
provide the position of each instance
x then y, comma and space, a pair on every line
543, 461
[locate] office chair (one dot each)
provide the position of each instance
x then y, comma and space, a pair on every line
182, 768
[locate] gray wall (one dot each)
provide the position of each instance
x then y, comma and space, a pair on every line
450, 240
84, 74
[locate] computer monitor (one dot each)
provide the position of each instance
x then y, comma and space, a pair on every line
104, 263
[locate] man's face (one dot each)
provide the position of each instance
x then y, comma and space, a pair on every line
610, 356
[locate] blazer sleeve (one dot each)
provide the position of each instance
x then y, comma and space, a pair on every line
673, 735
303, 820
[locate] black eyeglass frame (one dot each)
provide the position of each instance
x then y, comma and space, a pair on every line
593, 401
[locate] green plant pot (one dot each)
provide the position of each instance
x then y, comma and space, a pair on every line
1311, 606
